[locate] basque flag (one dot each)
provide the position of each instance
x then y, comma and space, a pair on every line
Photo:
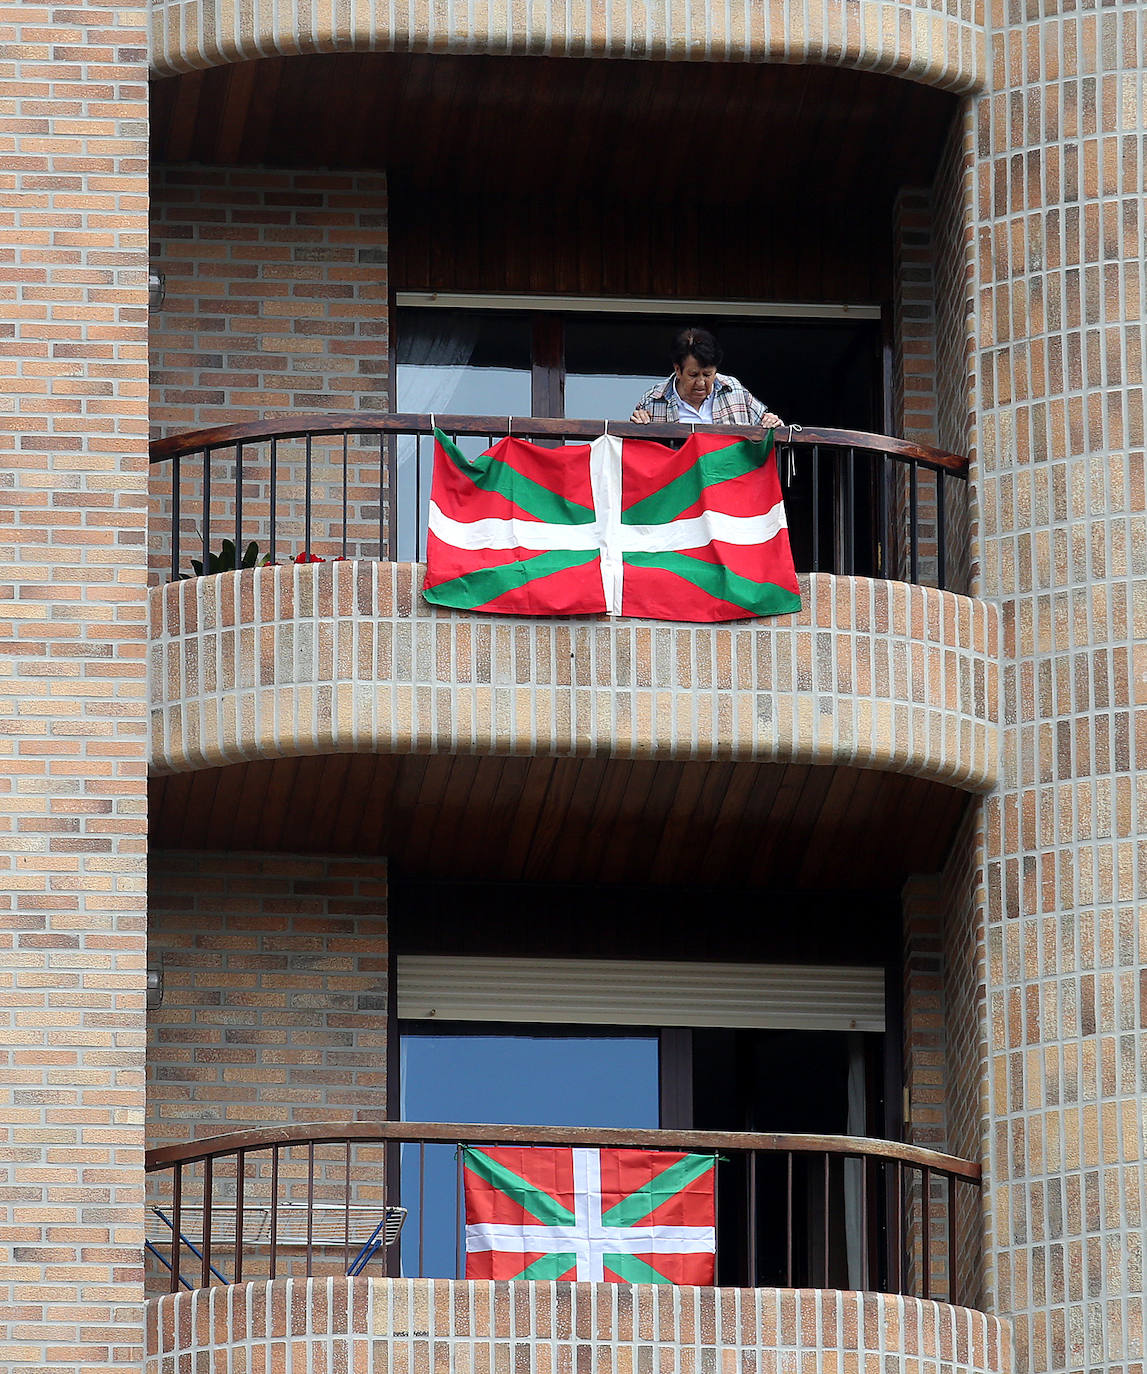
618, 1216
618, 526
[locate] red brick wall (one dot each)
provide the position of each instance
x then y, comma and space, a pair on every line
950, 198
914, 317
275, 304
73, 397
276, 294
274, 992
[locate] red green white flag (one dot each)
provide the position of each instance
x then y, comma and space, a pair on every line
614, 1216
618, 526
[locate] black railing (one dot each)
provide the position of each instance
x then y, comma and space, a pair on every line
358, 486
791, 1210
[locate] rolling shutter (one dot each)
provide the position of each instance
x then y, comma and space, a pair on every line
609, 992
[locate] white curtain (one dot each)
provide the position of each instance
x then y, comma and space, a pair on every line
431, 367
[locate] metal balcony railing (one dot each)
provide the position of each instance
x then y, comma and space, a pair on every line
792, 1210
358, 486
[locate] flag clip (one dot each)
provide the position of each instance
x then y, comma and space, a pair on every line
790, 456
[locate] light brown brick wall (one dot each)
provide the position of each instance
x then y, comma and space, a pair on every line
535, 1328
1059, 216
944, 46
73, 636
322, 659
275, 304
274, 992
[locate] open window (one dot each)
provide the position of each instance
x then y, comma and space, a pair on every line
585, 1042
582, 359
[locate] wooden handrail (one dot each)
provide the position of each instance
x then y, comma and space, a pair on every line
452, 1133
525, 427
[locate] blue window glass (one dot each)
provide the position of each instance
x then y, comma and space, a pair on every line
533, 1080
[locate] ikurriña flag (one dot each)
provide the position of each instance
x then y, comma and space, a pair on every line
617, 526
614, 1216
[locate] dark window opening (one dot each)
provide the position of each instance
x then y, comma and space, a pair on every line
825, 373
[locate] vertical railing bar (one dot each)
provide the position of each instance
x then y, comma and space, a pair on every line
953, 1249
175, 550
208, 1190
346, 440
418, 499
865, 1279
206, 508
272, 1262
827, 1210
458, 1214
789, 1224
816, 508
716, 1212
898, 1228
346, 1212
239, 504
240, 1181
392, 538
885, 518
926, 1262
385, 494
177, 1225
913, 523
307, 506
848, 553
941, 533
274, 497
751, 1278
421, 1206
310, 1203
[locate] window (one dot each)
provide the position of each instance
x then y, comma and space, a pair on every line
769, 1049
595, 364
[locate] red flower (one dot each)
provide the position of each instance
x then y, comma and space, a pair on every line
306, 557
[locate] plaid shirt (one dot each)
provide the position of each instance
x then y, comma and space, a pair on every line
732, 404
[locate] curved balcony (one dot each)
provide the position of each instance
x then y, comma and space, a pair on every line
276, 1241
288, 662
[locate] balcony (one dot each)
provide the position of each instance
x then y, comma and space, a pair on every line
835, 1244
303, 664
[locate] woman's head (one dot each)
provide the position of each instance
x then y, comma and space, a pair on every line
699, 344
696, 356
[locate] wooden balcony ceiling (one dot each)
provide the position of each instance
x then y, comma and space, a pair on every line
800, 137
573, 820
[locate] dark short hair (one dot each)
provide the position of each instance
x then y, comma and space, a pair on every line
696, 343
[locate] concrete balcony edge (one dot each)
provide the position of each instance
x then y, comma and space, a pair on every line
946, 48
456, 1327
347, 657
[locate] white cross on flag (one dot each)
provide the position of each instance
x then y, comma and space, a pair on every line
618, 1216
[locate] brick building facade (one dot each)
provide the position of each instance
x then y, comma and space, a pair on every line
325, 750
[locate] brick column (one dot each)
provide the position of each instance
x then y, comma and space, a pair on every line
1058, 236
914, 316
73, 358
